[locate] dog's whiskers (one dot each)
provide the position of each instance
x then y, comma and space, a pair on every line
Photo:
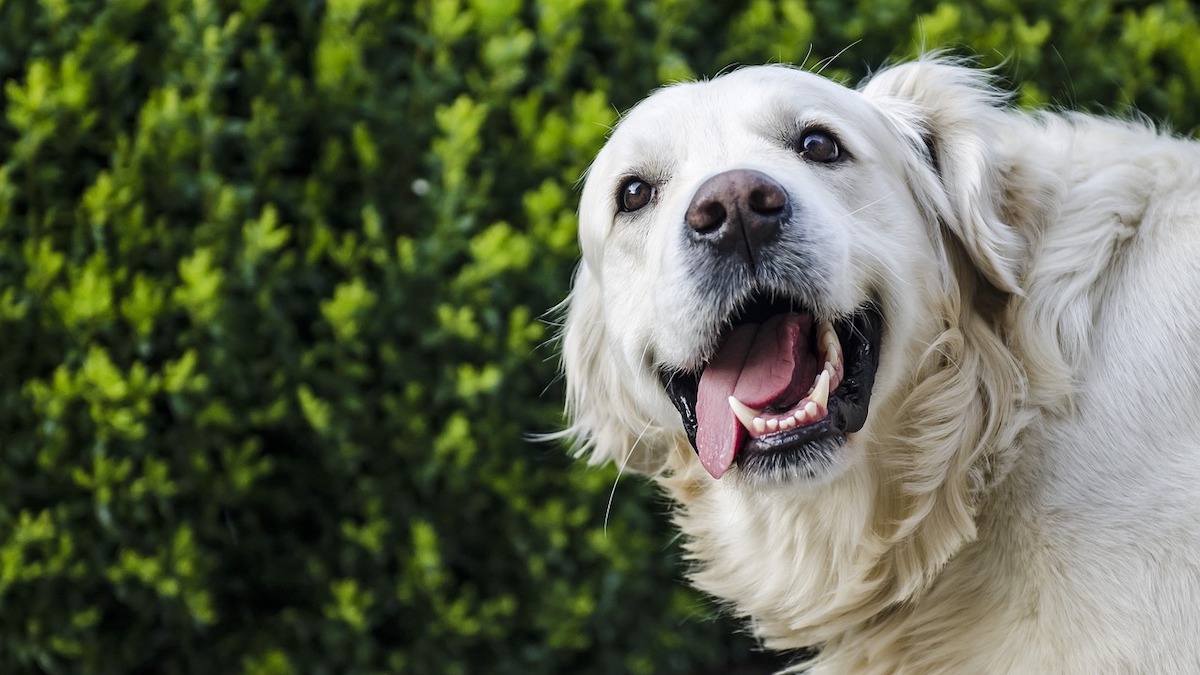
620, 471
828, 61
870, 204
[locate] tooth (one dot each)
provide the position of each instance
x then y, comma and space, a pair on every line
829, 340
773, 424
801, 416
811, 410
820, 393
760, 425
787, 423
748, 416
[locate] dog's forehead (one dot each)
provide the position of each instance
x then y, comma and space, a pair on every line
747, 88
759, 101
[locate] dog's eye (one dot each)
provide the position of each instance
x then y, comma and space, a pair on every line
819, 146
634, 194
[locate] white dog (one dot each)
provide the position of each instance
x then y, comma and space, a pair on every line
917, 369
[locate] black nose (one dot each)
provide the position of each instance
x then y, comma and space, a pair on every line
738, 211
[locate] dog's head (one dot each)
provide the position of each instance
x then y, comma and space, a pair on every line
790, 283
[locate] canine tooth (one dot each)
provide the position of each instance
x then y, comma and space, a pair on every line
830, 343
828, 334
747, 415
820, 393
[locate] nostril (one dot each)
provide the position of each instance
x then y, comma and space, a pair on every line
706, 216
767, 199
739, 211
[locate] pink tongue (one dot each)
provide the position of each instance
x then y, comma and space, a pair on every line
757, 364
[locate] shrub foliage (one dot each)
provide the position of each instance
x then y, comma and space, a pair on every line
273, 280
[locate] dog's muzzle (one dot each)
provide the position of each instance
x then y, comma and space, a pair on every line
785, 382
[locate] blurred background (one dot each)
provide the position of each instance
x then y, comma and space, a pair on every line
276, 281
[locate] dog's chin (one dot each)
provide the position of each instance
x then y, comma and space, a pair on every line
805, 448
813, 457
811, 465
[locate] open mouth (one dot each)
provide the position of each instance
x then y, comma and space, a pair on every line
782, 390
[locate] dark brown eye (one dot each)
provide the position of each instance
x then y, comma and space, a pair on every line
819, 146
634, 194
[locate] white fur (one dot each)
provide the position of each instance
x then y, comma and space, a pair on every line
1025, 495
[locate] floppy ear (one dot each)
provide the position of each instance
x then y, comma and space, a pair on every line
602, 415
955, 113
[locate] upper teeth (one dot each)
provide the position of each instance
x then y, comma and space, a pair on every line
829, 343
813, 407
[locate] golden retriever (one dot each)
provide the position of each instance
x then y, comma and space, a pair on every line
915, 367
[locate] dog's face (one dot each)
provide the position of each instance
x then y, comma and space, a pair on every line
789, 310
759, 252
749, 233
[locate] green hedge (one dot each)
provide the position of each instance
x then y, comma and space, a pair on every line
273, 280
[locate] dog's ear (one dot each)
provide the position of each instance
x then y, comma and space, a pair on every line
602, 414
952, 115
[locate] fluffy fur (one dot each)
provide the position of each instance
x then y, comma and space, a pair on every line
1025, 495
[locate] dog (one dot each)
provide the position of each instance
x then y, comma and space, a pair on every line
917, 369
